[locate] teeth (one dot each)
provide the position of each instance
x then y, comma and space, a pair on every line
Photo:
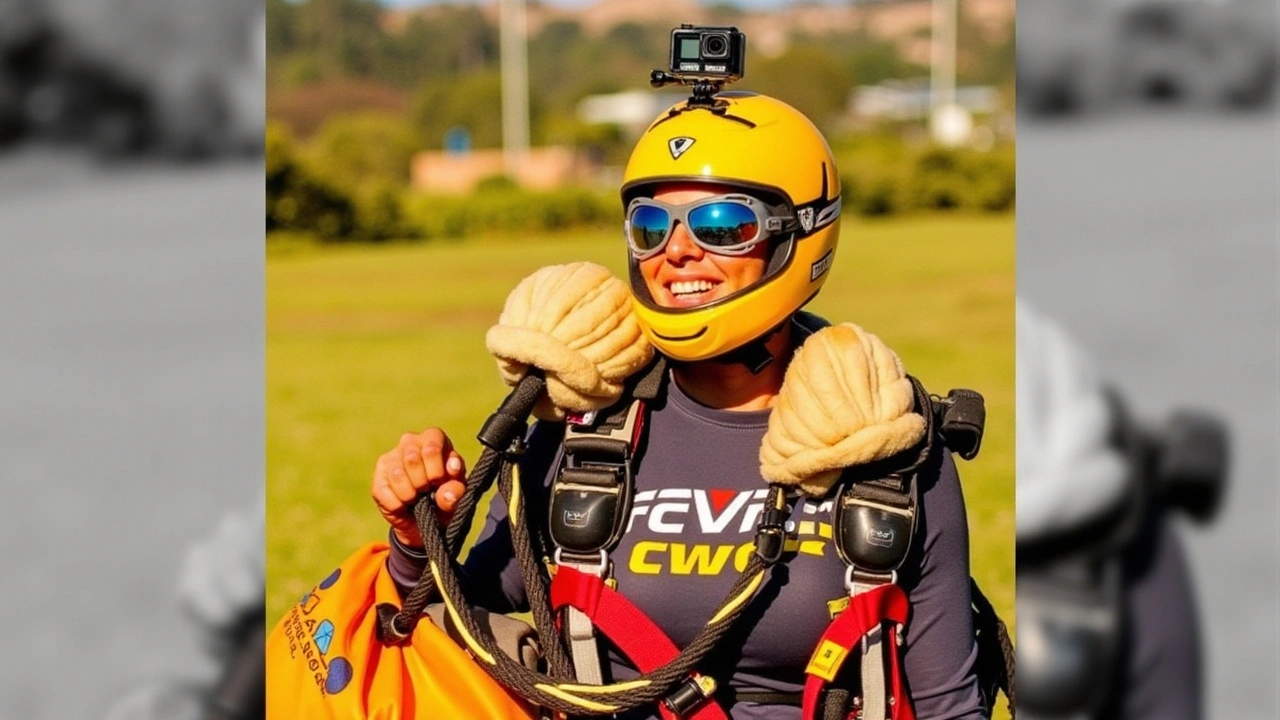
690, 287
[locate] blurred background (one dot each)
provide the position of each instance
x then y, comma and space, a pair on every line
131, 362
422, 158
386, 121
1148, 218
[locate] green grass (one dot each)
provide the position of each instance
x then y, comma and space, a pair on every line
365, 343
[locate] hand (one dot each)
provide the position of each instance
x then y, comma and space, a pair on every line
418, 463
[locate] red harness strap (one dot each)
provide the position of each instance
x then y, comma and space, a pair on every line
642, 641
884, 606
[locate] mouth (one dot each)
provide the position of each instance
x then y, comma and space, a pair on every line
689, 293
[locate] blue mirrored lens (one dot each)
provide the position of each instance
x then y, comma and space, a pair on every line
649, 226
724, 224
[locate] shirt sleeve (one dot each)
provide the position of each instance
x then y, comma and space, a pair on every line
941, 653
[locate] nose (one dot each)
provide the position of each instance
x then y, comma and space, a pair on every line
681, 247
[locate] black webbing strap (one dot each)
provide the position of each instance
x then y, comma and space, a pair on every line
730, 696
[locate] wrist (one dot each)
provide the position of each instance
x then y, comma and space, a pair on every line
409, 546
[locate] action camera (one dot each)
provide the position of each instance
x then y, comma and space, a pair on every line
709, 54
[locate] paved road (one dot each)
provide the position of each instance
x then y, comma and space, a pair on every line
1155, 240
131, 370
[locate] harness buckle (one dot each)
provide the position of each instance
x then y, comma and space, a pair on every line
599, 570
690, 695
624, 433
853, 576
591, 495
873, 532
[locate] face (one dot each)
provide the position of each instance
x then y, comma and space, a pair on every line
685, 275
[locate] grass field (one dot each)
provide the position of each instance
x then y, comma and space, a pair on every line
365, 343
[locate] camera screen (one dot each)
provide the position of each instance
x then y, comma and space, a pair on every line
689, 48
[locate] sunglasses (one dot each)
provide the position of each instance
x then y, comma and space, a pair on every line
724, 224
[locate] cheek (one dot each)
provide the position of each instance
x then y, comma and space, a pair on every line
649, 271
743, 271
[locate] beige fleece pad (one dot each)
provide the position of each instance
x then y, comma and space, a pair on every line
845, 401
576, 323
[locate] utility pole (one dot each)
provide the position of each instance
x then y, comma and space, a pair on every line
947, 123
513, 40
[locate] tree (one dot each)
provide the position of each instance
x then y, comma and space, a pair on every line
358, 150
473, 102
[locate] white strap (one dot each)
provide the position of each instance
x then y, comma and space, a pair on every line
582, 645
582, 634
873, 648
873, 693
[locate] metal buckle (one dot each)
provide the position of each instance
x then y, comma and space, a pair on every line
599, 570
624, 434
850, 577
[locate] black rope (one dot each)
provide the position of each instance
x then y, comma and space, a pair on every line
442, 550
518, 403
526, 682
559, 664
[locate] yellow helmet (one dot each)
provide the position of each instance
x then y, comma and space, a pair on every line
769, 150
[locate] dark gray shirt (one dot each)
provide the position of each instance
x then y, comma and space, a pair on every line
698, 497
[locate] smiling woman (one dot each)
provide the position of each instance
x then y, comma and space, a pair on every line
751, 414
686, 271
773, 496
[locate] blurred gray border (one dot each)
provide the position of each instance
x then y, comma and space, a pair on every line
131, 412
1153, 235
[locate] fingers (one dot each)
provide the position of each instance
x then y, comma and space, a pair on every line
448, 494
419, 462
433, 448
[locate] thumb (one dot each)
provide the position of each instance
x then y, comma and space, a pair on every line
448, 494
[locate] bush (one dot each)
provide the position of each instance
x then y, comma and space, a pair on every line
379, 213
352, 151
296, 200
509, 211
883, 176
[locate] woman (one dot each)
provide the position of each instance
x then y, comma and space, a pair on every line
732, 222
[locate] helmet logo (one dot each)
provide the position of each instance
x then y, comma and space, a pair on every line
679, 146
821, 266
806, 218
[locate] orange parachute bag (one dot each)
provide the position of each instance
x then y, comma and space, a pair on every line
326, 661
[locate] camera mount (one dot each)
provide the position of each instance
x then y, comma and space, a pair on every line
703, 90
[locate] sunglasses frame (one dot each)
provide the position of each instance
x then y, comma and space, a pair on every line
768, 223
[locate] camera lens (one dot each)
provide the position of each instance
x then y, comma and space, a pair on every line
715, 45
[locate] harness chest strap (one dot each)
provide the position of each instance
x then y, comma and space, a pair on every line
638, 637
876, 614
591, 500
